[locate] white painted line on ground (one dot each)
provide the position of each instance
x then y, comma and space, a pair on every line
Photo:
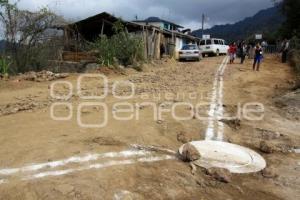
75, 159
122, 195
211, 126
138, 156
220, 109
216, 104
153, 148
99, 166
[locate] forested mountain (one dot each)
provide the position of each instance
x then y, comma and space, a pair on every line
265, 21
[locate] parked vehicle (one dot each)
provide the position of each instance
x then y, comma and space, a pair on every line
213, 46
190, 52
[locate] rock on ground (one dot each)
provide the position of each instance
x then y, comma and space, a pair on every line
183, 138
190, 153
269, 172
222, 175
43, 76
266, 147
268, 134
65, 189
233, 123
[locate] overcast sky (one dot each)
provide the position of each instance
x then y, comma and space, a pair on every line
184, 12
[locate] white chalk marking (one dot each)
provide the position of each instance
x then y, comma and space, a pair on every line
99, 166
122, 195
75, 159
153, 148
142, 156
216, 105
220, 109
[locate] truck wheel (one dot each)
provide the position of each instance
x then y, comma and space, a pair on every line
218, 52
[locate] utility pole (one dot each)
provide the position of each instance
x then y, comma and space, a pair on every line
203, 20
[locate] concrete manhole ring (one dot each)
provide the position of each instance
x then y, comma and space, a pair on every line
235, 158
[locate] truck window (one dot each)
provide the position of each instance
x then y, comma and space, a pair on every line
221, 42
208, 42
216, 41
202, 42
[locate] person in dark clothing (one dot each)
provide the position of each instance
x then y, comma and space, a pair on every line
239, 47
243, 52
284, 50
258, 55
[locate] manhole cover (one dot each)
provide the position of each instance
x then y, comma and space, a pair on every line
235, 158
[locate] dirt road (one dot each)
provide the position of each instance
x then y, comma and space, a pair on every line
43, 158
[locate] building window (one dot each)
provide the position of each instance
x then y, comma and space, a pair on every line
166, 26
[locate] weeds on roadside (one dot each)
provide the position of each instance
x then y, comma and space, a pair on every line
122, 48
294, 58
4, 66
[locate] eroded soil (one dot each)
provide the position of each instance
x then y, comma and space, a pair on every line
28, 135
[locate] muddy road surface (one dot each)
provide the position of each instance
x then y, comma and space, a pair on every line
95, 140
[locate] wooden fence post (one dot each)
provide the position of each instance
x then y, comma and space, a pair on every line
157, 44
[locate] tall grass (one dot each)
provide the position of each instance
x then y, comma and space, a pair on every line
121, 48
4, 66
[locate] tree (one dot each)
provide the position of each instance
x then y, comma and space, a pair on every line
291, 27
24, 32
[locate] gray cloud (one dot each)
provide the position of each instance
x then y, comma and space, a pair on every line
185, 12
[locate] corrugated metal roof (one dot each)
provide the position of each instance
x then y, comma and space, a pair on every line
157, 19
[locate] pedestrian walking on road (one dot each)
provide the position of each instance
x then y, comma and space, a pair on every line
264, 45
251, 50
232, 52
258, 56
284, 50
243, 52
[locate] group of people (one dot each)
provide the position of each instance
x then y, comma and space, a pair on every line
242, 49
255, 52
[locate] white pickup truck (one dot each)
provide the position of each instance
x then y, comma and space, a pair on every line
213, 46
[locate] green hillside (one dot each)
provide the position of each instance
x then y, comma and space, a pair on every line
265, 21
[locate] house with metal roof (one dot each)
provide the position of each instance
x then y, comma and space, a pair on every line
160, 23
153, 31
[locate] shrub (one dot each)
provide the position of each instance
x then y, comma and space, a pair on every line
29, 36
122, 48
4, 66
294, 58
